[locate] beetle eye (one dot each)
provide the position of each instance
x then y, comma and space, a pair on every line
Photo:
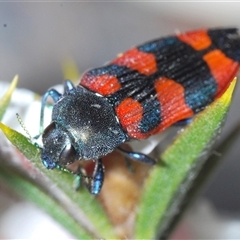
48, 130
67, 156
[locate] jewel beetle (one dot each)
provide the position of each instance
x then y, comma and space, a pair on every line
142, 92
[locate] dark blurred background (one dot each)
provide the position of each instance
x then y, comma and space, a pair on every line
37, 37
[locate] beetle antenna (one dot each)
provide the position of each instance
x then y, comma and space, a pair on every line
24, 127
30, 138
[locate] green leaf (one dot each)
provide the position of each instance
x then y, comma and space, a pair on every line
29, 191
168, 182
22, 143
4, 101
93, 216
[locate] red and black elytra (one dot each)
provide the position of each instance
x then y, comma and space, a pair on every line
140, 93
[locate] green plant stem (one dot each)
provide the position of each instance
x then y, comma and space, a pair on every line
29, 191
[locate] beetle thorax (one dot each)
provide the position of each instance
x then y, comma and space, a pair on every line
90, 122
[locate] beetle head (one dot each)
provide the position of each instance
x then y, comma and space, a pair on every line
59, 150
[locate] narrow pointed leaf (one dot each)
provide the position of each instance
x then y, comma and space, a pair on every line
21, 142
30, 192
89, 213
4, 101
168, 182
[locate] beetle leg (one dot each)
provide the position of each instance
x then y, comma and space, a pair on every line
183, 123
68, 86
55, 95
94, 183
140, 157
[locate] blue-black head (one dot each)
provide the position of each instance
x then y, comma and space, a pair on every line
58, 149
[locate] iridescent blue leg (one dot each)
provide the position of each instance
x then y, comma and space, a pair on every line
68, 86
94, 183
183, 123
140, 157
55, 95
97, 178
